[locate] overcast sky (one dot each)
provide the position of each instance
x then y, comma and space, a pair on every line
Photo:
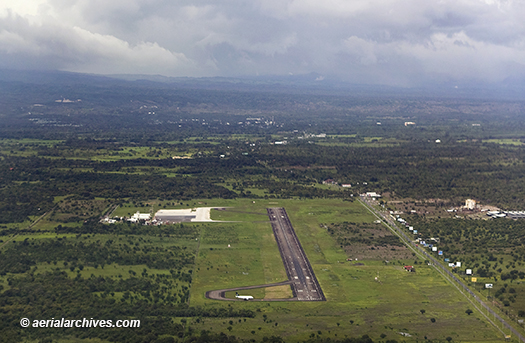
397, 42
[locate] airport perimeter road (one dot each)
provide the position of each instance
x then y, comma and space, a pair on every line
479, 304
303, 281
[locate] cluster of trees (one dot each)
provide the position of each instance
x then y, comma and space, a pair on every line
475, 236
19, 257
29, 191
349, 234
58, 296
415, 169
491, 248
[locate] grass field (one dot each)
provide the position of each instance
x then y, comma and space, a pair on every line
507, 141
372, 298
368, 296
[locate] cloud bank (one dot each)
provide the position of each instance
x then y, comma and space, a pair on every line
400, 42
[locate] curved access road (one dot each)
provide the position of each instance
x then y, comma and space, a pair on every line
220, 293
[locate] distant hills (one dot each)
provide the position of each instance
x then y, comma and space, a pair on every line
509, 89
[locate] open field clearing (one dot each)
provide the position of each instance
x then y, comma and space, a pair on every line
507, 141
363, 297
54, 149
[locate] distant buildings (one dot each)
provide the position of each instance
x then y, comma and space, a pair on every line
373, 195
334, 182
139, 216
508, 214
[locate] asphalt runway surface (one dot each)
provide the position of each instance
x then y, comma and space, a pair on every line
301, 277
304, 283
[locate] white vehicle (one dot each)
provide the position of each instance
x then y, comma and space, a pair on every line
243, 297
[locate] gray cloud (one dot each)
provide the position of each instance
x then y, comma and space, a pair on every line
373, 41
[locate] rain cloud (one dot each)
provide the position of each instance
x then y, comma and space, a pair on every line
398, 42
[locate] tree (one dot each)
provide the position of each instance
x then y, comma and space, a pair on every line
469, 312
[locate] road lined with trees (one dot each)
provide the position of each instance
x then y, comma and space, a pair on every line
464, 289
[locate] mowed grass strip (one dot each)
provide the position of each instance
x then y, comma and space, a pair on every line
278, 292
234, 255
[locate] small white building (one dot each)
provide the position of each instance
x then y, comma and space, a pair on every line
470, 204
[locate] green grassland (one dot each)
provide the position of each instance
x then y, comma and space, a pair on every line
362, 144
506, 141
356, 141
55, 149
367, 296
357, 303
275, 292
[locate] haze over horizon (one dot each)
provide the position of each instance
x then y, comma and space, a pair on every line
400, 43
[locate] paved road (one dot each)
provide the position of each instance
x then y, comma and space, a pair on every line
473, 298
301, 277
220, 293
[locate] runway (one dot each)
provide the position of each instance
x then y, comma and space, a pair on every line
304, 283
301, 277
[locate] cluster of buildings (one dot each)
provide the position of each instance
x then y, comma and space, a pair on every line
165, 216
333, 182
372, 195
135, 218
472, 205
349, 185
